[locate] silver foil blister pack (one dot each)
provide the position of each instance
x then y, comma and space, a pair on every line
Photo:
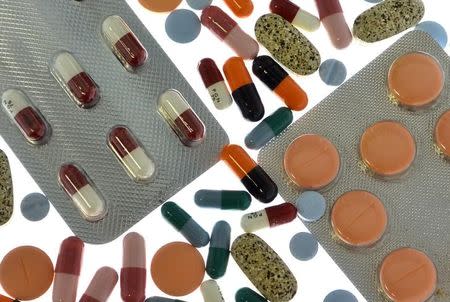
31, 33
417, 204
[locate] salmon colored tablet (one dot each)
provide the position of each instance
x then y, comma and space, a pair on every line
177, 269
387, 148
312, 162
415, 80
442, 133
160, 5
26, 273
408, 275
359, 218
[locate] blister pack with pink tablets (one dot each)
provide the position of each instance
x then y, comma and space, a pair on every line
98, 114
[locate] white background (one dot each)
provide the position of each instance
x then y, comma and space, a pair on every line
316, 278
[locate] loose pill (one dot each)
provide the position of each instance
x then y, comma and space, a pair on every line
269, 217
35, 206
227, 30
161, 299
133, 275
123, 43
241, 8
340, 295
303, 246
243, 89
225, 200
214, 82
184, 223
26, 116
6, 189
332, 72
442, 134
211, 291
101, 286
160, 6
131, 154
332, 18
82, 192
246, 294
311, 206
295, 15
75, 81
219, 250
180, 116
199, 4
6, 299
183, 26
252, 176
435, 30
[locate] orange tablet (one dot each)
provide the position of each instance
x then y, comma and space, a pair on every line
442, 133
160, 6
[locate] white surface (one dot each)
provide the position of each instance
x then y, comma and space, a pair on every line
316, 278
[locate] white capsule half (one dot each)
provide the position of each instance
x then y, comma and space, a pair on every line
220, 95
211, 291
255, 221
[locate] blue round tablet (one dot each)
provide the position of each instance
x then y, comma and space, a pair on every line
373, 1
35, 206
303, 246
435, 30
340, 295
199, 4
311, 206
183, 26
333, 72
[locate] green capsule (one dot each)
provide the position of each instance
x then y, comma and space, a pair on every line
225, 200
219, 250
245, 294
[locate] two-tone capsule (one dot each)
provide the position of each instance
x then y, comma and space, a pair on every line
214, 82
211, 291
74, 79
101, 286
278, 80
82, 192
131, 154
241, 8
26, 116
227, 30
6, 299
219, 250
269, 127
243, 89
185, 224
180, 116
295, 15
252, 176
269, 217
225, 199
332, 18
133, 275
123, 43
246, 294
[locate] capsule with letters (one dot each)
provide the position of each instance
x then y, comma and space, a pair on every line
269, 217
214, 82
225, 199
294, 14
219, 250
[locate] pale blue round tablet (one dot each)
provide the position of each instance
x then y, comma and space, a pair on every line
311, 206
373, 1
340, 295
183, 26
199, 4
35, 206
303, 246
435, 30
333, 72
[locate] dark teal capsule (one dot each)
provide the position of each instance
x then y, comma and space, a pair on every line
219, 250
270, 127
184, 223
225, 200
161, 299
245, 294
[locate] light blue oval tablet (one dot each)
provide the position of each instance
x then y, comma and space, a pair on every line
35, 206
373, 1
199, 4
183, 26
340, 295
311, 206
435, 30
333, 72
304, 246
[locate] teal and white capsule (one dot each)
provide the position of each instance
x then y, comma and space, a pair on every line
219, 250
211, 291
185, 224
246, 294
162, 299
270, 127
225, 200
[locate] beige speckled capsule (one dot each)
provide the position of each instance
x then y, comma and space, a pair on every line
387, 19
264, 268
6, 190
287, 44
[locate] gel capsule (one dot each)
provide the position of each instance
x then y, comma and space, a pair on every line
185, 224
246, 294
133, 276
75, 81
293, 14
131, 154
211, 291
252, 176
176, 111
227, 30
225, 200
81, 190
269, 217
123, 43
214, 82
332, 17
241, 8
219, 250
243, 89
278, 80
27, 118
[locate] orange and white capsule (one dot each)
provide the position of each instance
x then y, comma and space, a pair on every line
241, 8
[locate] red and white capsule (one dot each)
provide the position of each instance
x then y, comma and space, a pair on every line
214, 82
131, 154
25, 116
269, 217
123, 43
75, 81
82, 192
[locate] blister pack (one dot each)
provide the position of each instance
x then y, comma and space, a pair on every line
377, 149
98, 114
